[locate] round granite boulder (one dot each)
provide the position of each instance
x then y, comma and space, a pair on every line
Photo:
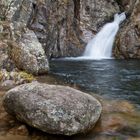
52, 108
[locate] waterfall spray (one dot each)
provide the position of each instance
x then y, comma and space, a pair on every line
100, 47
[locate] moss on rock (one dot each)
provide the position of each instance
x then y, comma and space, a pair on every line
26, 76
20, 77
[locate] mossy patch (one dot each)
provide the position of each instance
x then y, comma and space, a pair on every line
27, 77
20, 77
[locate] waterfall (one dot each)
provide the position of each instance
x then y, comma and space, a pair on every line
100, 47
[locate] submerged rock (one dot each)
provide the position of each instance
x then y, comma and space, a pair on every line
53, 109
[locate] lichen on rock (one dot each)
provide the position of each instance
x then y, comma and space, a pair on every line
29, 55
53, 109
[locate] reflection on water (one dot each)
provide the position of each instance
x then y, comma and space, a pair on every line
113, 79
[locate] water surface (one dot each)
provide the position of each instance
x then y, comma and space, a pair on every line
112, 79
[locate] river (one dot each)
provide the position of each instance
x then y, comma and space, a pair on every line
112, 79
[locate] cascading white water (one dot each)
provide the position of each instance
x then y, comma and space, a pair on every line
100, 47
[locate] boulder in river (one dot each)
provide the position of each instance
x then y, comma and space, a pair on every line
52, 108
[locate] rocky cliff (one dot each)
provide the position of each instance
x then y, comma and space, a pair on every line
128, 39
64, 27
19, 46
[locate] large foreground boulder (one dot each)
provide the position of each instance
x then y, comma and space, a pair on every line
53, 109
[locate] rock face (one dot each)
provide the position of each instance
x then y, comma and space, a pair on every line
53, 109
65, 26
16, 10
23, 49
5, 61
128, 39
55, 24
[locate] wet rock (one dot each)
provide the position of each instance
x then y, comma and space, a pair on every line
118, 117
53, 109
29, 55
122, 107
94, 14
128, 39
